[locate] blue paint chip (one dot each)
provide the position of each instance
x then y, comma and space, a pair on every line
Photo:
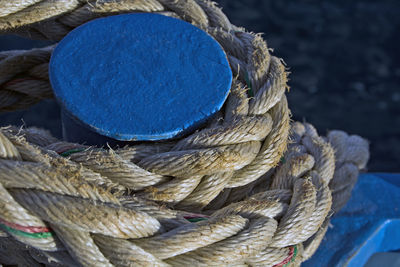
140, 76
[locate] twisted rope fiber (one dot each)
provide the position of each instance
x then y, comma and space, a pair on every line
237, 192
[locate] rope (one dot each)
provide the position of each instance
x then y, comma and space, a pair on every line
239, 191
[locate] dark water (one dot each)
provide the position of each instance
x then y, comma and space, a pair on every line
344, 60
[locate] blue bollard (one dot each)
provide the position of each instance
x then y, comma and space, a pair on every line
137, 77
368, 224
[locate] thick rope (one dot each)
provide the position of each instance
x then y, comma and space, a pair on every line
298, 205
232, 193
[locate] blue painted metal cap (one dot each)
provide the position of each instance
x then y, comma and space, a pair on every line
139, 76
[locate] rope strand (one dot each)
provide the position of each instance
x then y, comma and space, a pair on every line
263, 189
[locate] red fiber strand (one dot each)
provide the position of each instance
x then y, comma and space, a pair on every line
27, 229
288, 258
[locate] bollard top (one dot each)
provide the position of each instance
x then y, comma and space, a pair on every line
140, 76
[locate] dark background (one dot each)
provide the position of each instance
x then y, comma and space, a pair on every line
344, 60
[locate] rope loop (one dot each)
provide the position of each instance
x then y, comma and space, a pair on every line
248, 189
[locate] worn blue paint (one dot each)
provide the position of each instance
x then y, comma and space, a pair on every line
140, 76
369, 223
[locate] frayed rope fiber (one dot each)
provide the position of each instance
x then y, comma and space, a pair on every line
251, 188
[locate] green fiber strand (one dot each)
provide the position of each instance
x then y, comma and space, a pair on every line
71, 151
196, 219
294, 253
250, 91
25, 234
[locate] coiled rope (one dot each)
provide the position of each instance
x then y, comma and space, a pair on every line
238, 192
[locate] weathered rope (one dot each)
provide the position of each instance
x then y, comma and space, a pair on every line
236, 192
298, 201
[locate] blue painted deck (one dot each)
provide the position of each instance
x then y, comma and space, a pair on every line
369, 223
139, 77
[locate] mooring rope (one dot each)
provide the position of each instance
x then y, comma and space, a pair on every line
236, 192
